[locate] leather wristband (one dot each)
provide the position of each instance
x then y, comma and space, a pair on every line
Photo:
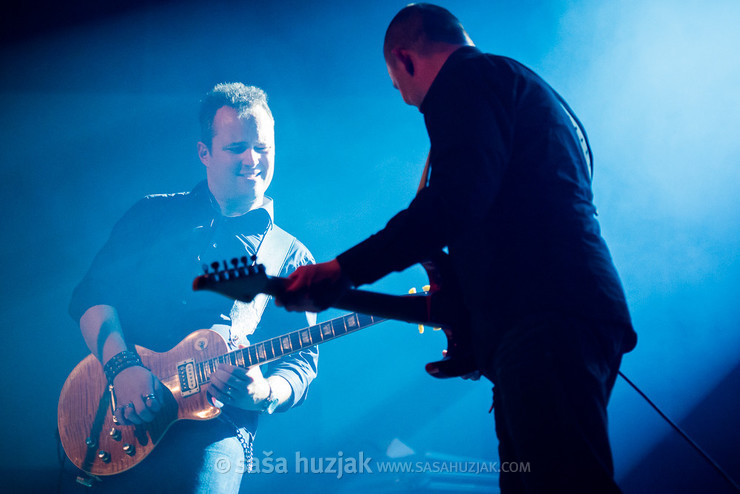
119, 362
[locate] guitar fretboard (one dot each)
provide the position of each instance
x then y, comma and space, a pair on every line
286, 344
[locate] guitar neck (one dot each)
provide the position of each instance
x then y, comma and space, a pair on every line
413, 309
280, 346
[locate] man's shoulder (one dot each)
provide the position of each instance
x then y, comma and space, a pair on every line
154, 207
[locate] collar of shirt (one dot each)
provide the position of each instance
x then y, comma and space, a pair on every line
258, 219
457, 57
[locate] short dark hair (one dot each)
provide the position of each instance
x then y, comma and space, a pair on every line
419, 23
236, 95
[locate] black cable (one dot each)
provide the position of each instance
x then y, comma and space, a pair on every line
709, 459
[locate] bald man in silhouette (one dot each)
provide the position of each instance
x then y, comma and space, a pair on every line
508, 191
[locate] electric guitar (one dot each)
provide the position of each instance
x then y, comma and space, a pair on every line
440, 308
98, 445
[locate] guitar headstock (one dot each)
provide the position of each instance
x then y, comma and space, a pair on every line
239, 279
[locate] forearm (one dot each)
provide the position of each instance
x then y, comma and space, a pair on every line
101, 329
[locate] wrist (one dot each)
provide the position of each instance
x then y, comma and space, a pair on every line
120, 361
270, 403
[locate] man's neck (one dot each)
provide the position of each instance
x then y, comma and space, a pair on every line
431, 64
237, 207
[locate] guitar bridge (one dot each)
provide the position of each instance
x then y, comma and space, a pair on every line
186, 375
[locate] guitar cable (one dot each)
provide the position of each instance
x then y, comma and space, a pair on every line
683, 434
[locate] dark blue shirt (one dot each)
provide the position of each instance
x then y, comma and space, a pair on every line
146, 270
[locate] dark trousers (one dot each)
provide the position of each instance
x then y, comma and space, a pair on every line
552, 379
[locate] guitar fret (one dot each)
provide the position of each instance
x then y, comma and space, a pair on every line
285, 344
305, 337
315, 331
253, 360
327, 331
260, 348
364, 320
336, 329
240, 359
295, 340
350, 323
269, 351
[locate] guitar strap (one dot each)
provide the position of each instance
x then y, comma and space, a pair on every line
245, 316
424, 175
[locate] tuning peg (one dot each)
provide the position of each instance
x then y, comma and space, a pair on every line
235, 262
253, 257
260, 268
205, 268
214, 266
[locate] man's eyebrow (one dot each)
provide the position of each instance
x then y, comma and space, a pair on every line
234, 144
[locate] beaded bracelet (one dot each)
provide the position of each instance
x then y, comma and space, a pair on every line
120, 361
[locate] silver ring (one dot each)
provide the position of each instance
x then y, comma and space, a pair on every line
150, 396
129, 405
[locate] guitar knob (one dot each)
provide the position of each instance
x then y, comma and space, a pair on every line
129, 449
91, 443
115, 434
104, 456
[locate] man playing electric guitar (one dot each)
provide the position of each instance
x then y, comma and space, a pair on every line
510, 195
137, 291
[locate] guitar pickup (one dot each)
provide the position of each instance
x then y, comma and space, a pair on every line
186, 375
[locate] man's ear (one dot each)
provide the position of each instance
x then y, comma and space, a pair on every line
404, 57
203, 153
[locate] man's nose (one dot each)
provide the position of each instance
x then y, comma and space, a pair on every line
250, 157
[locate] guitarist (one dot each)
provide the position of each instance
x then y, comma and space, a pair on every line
509, 195
137, 291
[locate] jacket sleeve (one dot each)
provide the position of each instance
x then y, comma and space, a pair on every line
471, 132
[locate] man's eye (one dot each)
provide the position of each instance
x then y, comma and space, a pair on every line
262, 149
238, 149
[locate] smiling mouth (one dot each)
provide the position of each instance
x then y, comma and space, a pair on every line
251, 174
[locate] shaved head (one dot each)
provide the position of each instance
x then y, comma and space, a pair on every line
420, 26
